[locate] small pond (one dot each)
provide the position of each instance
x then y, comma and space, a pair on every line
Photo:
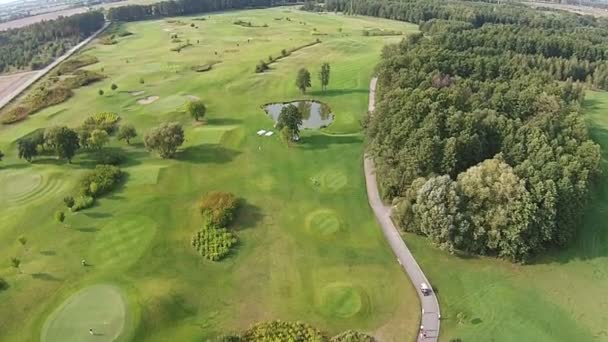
314, 114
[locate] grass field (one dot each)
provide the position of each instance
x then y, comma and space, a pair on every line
308, 251
559, 297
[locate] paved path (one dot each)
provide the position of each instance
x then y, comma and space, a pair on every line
430, 306
9, 97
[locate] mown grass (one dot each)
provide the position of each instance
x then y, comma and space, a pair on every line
138, 237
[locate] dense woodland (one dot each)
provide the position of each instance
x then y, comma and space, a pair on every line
37, 45
477, 134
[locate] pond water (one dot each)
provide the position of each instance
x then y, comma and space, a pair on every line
315, 114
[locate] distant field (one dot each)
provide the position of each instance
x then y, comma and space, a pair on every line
308, 250
585, 10
9, 83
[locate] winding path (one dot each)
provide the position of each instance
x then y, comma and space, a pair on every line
38, 74
429, 303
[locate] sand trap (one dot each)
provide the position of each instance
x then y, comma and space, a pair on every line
148, 100
167, 30
136, 93
193, 98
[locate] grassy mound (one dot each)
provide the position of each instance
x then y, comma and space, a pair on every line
340, 300
323, 222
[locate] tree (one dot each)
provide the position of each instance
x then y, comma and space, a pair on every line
126, 132
286, 137
69, 201
196, 109
59, 217
303, 80
62, 141
113, 86
141, 81
27, 149
324, 76
165, 139
98, 139
100, 92
15, 263
1, 155
290, 118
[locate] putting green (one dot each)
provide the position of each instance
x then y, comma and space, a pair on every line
323, 222
331, 180
340, 300
99, 307
25, 186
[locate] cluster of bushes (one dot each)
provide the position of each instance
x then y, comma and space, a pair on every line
181, 46
3, 284
54, 90
247, 24
292, 331
483, 148
95, 183
214, 241
265, 65
379, 33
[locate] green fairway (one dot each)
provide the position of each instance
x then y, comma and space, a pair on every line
100, 308
561, 296
309, 246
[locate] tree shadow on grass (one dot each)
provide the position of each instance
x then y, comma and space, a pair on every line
321, 141
206, 154
338, 92
247, 216
48, 253
223, 121
45, 276
98, 215
15, 166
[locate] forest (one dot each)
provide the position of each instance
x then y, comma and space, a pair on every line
37, 45
477, 136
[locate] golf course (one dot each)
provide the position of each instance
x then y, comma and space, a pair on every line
309, 248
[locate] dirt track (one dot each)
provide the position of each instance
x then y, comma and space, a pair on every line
10, 82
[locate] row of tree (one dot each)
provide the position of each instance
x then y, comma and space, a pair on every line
483, 150
36, 45
179, 7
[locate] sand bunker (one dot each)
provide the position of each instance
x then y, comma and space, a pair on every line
148, 100
136, 93
193, 98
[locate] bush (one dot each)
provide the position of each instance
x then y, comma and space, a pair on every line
352, 336
213, 243
99, 181
3, 284
68, 201
82, 78
83, 202
218, 208
105, 121
75, 63
110, 158
261, 67
283, 331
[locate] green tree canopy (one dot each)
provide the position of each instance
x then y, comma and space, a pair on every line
303, 80
165, 139
196, 109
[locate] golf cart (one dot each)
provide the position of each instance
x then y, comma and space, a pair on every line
424, 288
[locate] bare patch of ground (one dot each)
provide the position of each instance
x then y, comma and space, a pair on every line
136, 93
148, 100
193, 98
9, 83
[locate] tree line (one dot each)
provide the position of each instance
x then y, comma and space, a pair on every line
37, 45
484, 149
179, 7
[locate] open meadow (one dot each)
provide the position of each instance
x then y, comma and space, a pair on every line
309, 247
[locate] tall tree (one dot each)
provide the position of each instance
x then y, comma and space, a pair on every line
126, 132
63, 141
303, 80
165, 139
290, 118
27, 149
98, 139
324, 76
196, 109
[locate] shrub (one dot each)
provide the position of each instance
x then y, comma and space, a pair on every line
113, 86
105, 121
82, 78
352, 336
213, 243
75, 63
218, 208
282, 331
3, 284
110, 158
261, 67
68, 201
83, 202
99, 181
